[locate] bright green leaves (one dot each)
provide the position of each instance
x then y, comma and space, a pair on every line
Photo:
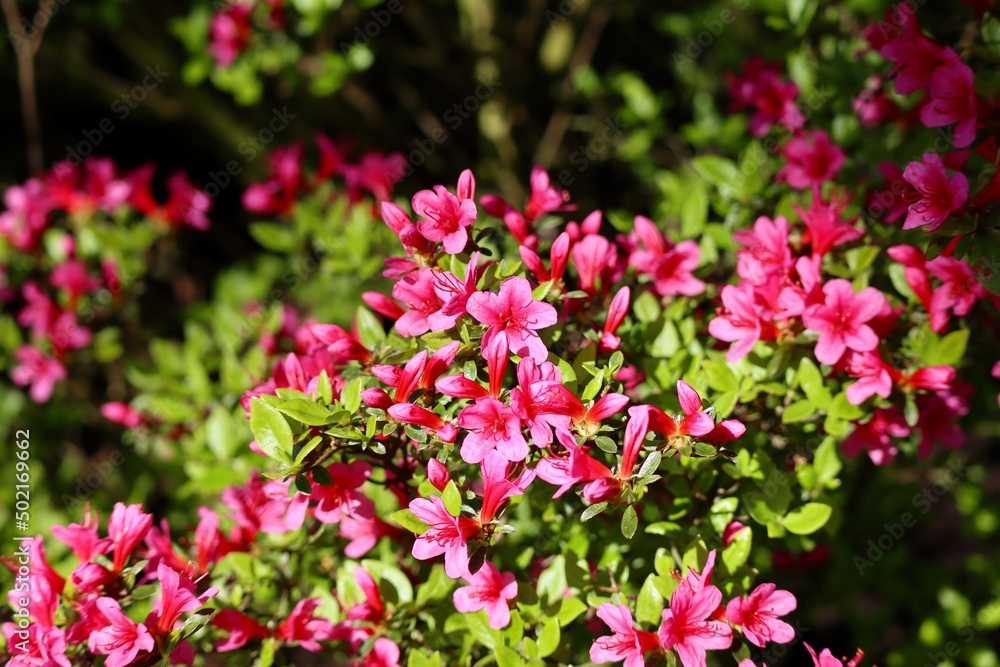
807, 519
271, 431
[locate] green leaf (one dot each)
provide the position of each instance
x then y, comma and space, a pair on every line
452, 498
274, 236
324, 390
651, 464
548, 637
267, 649
826, 462
738, 551
630, 521
409, 521
807, 519
593, 511
811, 381
797, 412
949, 350
592, 388
649, 606
694, 213
436, 587
647, 308
350, 396
507, 657
569, 610
719, 376
370, 330
270, 431
305, 412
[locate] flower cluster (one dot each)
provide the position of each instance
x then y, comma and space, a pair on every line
59, 277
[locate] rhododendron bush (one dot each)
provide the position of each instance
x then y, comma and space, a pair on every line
726, 398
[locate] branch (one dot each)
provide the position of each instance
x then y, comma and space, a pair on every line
25, 48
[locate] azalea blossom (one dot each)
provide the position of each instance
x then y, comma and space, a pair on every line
493, 427
759, 613
936, 196
488, 589
37, 370
952, 101
627, 643
686, 628
121, 639
812, 160
447, 535
842, 321
876, 436
446, 215
515, 313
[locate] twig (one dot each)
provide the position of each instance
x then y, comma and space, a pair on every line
26, 77
584, 52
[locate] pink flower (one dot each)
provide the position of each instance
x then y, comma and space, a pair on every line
737, 321
416, 291
304, 627
240, 627
127, 526
936, 195
175, 599
83, 539
627, 643
447, 215
46, 646
952, 100
72, 277
384, 653
812, 160
616, 315
121, 639
545, 197
694, 423
873, 377
773, 100
493, 427
488, 589
363, 534
758, 614
498, 487
264, 506
960, 289
826, 659
594, 258
578, 467
514, 313
824, 228
230, 33
765, 250
842, 320
876, 436
186, 205
447, 535
686, 629
917, 58
668, 265
938, 413
38, 370
342, 497
399, 222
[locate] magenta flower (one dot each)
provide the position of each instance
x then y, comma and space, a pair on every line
952, 100
760, 87
936, 195
695, 422
668, 265
938, 412
447, 535
627, 643
812, 160
304, 627
686, 628
493, 427
343, 497
873, 377
127, 526
765, 250
120, 639
416, 291
37, 370
384, 653
824, 228
447, 215
488, 589
826, 659
83, 540
737, 321
230, 33
566, 472
876, 436
594, 258
916, 58
175, 599
545, 197
842, 320
241, 629
758, 614
46, 646
616, 314
515, 313
960, 290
